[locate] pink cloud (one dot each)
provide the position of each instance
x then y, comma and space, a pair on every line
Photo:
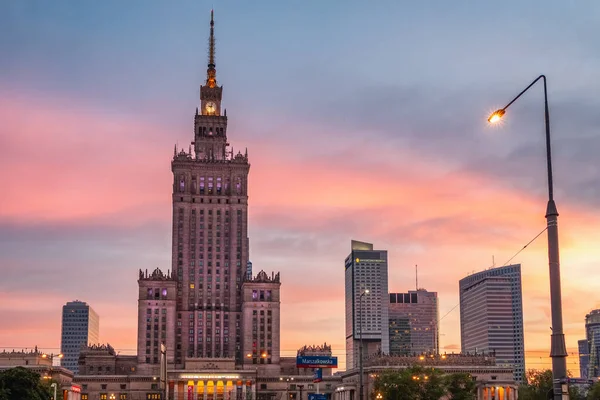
66, 163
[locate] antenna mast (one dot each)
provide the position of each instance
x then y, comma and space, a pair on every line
416, 277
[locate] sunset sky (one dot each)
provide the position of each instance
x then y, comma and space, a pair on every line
363, 120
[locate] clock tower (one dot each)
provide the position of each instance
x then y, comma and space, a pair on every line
210, 235
210, 127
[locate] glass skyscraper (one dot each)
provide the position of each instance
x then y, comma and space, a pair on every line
491, 315
366, 269
413, 323
80, 327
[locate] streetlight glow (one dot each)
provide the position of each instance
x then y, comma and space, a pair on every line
496, 116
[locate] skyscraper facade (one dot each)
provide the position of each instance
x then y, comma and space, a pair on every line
592, 333
366, 300
413, 323
491, 315
210, 232
80, 326
584, 358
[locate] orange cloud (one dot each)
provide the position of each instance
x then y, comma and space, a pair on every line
66, 163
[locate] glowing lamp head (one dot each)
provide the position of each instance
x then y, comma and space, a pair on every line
264, 355
496, 116
249, 355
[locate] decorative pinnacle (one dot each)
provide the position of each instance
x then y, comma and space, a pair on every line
211, 73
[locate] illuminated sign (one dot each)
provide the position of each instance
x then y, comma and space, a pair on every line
316, 362
191, 376
75, 389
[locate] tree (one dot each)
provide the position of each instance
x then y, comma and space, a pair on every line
461, 386
22, 384
538, 385
420, 383
594, 392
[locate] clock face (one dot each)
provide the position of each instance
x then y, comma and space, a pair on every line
211, 107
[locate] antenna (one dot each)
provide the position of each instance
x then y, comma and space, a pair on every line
416, 277
493, 262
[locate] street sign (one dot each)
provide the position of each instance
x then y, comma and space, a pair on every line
317, 396
316, 362
318, 375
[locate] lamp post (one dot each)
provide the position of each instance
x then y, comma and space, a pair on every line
53, 385
360, 345
287, 386
558, 351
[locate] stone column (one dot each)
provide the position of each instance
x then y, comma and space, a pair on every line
244, 390
175, 390
205, 394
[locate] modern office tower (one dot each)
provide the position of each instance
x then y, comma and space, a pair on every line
156, 317
249, 270
491, 315
366, 275
260, 321
210, 231
413, 323
592, 334
80, 326
584, 358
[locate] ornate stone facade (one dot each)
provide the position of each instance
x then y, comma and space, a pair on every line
156, 319
210, 233
261, 323
41, 363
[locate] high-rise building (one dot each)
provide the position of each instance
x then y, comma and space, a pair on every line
249, 270
592, 334
210, 232
366, 275
260, 316
413, 323
584, 358
80, 326
491, 315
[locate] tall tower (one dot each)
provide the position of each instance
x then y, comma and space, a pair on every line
366, 276
80, 326
592, 333
491, 315
210, 232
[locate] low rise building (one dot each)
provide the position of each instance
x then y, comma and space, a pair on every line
42, 363
493, 382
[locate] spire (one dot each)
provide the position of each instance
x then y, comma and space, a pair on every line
211, 72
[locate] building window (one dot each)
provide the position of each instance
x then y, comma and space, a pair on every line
255, 295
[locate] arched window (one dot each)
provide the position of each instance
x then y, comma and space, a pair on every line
238, 185
181, 184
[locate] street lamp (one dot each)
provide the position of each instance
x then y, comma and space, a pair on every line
287, 386
360, 345
558, 350
53, 385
